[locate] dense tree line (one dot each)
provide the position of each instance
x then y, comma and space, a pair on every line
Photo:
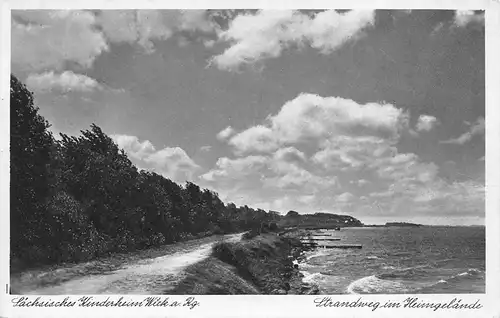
80, 197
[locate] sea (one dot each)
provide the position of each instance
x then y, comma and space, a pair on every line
399, 260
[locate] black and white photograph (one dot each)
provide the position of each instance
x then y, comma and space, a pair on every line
247, 152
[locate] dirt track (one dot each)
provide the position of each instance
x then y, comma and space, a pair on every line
154, 275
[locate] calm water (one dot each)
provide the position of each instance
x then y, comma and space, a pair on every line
400, 260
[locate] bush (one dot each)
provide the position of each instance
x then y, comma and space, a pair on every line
264, 228
157, 239
218, 231
80, 197
248, 235
273, 227
186, 237
234, 254
262, 261
224, 252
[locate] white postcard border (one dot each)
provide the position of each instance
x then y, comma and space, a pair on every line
290, 305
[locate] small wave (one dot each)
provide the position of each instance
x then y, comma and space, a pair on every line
374, 285
312, 277
454, 281
444, 260
404, 273
305, 265
473, 271
372, 257
400, 254
416, 267
390, 282
388, 267
317, 253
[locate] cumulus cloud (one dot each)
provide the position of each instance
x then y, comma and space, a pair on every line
196, 20
46, 39
449, 198
145, 26
352, 152
416, 187
405, 167
290, 154
476, 129
66, 81
235, 168
288, 175
360, 182
464, 17
298, 158
276, 171
345, 197
225, 133
350, 136
257, 138
426, 123
466, 196
307, 199
171, 162
312, 117
267, 33
133, 147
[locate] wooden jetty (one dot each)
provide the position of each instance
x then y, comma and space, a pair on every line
343, 246
320, 239
309, 243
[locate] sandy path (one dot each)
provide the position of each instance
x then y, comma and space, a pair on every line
148, 276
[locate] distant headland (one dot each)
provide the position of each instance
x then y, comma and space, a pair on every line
394, 224
318, 220
329, 220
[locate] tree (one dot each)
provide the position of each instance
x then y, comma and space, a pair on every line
100, 175
81, 197
30, 147
155, 201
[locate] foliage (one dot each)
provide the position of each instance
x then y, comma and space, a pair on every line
30, 147
80, 197
318, 220
273, 227
249, 235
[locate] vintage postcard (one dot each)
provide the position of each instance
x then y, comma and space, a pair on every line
208, 159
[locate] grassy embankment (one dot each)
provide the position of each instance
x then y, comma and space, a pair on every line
256, 265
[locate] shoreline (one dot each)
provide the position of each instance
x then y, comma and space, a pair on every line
266, 264
298, 286
392, 278
262, 264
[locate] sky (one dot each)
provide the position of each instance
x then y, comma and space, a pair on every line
375, 114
